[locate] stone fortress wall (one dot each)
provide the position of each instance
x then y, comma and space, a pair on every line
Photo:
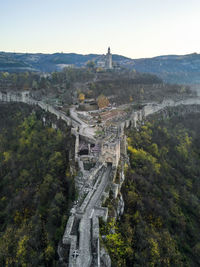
81, 237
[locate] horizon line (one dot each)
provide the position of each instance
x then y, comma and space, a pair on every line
83, 54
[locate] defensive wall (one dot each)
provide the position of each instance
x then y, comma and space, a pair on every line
86, 215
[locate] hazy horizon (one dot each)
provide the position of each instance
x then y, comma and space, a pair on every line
135, 29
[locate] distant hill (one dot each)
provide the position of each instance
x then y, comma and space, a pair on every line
171, 68
47, 62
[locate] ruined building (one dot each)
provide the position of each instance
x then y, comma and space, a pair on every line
110, 152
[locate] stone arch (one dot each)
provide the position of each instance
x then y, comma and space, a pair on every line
109, 159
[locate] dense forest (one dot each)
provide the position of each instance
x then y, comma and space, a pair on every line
36, 187
161, 222
121, 86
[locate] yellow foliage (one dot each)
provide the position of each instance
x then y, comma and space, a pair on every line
116, 243
128, 140
81, 97
158, 222
7, 156
67, 173
22, 250
142, 157
155, 253
184, 145
3, 198
21, 217
102, 101
175, 194
131, 149
125, 165
153, 148
155, 222
125, 168
49, 252
136, 216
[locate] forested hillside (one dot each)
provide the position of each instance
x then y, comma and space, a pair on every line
123, 86
36, 187
161, 222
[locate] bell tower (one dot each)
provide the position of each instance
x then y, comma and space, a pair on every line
108, 62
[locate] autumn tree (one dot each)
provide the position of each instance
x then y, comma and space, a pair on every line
81, 97
102, 101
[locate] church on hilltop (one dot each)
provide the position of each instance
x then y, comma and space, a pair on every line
105, 61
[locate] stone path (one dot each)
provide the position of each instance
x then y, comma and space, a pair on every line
85, 256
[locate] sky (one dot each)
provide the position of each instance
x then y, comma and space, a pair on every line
132, 28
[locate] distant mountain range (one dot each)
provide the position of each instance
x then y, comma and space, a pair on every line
171, 68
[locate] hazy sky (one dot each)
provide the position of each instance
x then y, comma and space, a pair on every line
133, 28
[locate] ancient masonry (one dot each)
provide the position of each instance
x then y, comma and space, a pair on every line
81, 244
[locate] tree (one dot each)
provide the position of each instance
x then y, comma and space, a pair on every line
81, 97
90, 64
102, 101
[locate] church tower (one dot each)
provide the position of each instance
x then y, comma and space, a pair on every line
108, 63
